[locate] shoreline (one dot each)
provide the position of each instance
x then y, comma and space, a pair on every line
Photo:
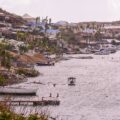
22, 78
9, 78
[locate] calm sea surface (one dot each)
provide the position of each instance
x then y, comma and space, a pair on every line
96, 95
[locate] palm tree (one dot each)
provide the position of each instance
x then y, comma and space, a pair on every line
5, 59
23, 49
21, 36
93, 25
46, 27
37, 19
81, 27
50, 20
98, 36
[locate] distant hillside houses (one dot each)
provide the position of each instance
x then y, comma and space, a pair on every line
88, 30
112, 26
41, 27
12, 42
34, 25
62, 23
28, 18
51, 33
111, 31
7, 17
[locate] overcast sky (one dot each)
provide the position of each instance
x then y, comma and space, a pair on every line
68, 10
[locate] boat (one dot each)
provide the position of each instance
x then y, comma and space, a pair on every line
45, 64
85, 57
103, 52
17, 91
71, 81
112, 50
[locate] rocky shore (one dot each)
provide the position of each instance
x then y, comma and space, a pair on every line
8, 78
27, 72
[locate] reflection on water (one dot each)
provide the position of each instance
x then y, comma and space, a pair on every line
96, 95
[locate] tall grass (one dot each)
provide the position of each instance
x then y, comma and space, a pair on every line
7, 113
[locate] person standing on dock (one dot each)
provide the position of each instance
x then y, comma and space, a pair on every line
54, 85
50, 95
42, 98
57, 95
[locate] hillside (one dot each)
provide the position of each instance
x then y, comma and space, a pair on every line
11, 18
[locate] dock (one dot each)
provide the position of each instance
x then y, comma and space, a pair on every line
52, 102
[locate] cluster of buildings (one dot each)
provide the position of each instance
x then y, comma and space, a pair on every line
97, 35
18, 32
84, 34
10, 24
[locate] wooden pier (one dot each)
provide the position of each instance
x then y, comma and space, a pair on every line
31, 102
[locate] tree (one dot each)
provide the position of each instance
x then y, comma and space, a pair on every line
88, 26
46, 27
50, 20
93, 25
22, 36
2, 80
98, 36
81, 27
5, 59
37, 20
23, 49
113, 42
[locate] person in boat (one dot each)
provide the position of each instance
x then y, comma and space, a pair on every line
71, 80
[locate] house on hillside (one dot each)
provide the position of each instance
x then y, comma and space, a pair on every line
89, 31
51, 33
33, 25
2, 17
28, 18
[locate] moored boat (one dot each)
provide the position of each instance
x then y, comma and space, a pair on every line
17, 91
45, 64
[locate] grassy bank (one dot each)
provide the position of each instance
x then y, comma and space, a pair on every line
27, 72
8, 78
19, 75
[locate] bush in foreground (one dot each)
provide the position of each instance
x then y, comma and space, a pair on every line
7, 114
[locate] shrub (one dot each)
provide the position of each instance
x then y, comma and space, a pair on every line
7, 114
2, 80
27, 72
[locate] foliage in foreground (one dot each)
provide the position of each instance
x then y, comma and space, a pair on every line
7, 114
2, 80
27, 72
